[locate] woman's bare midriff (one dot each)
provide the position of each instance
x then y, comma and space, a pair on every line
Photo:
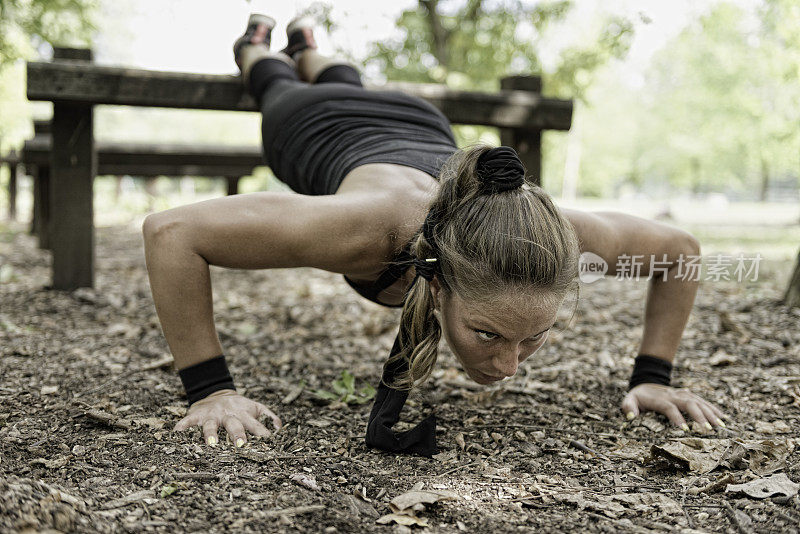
411, 190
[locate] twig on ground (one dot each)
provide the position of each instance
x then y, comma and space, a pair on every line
195, 476
454, 469
713, 486
740, 519
582, 447
108, 419
293, 393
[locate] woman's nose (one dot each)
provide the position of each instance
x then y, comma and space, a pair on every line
507, 362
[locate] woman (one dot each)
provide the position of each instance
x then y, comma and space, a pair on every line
458, 238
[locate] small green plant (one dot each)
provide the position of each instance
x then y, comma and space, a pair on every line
168, 490
344, 390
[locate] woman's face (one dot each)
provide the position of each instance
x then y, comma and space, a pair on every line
492, 339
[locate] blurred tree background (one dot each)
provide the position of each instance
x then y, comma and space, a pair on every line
27, 29
719, 108
715, 110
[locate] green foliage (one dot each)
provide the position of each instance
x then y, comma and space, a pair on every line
722, 102
25, 24
344, 390
476, 44
168, 490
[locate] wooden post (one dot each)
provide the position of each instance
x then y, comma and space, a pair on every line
36, 201
42, 202
13, 173
792, 297
40, 128
233, 185
73, 164
527, 142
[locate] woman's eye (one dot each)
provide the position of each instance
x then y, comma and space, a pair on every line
486, 336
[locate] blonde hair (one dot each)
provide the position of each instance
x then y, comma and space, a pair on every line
485, 245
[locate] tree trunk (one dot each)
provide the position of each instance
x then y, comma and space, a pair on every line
572, 164
438, 31
792, 297
764, 179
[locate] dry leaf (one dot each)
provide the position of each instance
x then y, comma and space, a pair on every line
775, 427
305, 480
694, 454
645, 502
400, 519
768, 456
702, 455
413, 497
177, 411
766, 487
154, 423
720, 358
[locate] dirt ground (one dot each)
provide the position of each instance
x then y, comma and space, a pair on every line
88, 400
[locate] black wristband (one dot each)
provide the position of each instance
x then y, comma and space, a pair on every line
204, 378
650, 370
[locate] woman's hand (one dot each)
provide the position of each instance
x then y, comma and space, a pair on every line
229, 409
671, 402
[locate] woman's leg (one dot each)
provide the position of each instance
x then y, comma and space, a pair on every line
313, 67
266, 70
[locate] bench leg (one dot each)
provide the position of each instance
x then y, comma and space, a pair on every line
43, 201
233, 185
73, 164
36, 207
12, 191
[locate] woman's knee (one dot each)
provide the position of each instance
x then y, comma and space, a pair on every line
164, 227
340, 73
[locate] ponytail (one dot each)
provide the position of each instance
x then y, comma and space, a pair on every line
420, 330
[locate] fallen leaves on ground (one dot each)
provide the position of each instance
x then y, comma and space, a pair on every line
766, 487
702, 455
406, 506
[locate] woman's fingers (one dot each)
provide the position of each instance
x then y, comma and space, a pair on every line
708, 410
210, 427
717, 412
253, 426
276, 421
629, 406
185, 423
673, 414
696, 412
235, 430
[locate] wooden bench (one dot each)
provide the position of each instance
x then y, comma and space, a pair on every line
75, 86
134, 159
12, 161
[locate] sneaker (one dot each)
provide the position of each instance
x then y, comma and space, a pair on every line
258, 32
301, 36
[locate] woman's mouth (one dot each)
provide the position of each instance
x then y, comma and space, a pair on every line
488, 378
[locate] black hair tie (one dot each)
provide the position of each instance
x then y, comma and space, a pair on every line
426, 268
385, 414
500, 169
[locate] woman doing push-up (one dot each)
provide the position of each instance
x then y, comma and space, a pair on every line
470, 249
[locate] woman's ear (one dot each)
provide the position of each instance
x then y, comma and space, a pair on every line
436, 289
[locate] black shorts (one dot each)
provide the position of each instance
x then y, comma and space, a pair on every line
315, 134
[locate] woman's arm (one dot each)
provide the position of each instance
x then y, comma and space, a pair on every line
340, 233
627, 243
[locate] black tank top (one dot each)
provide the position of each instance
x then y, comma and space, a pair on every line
401, 263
